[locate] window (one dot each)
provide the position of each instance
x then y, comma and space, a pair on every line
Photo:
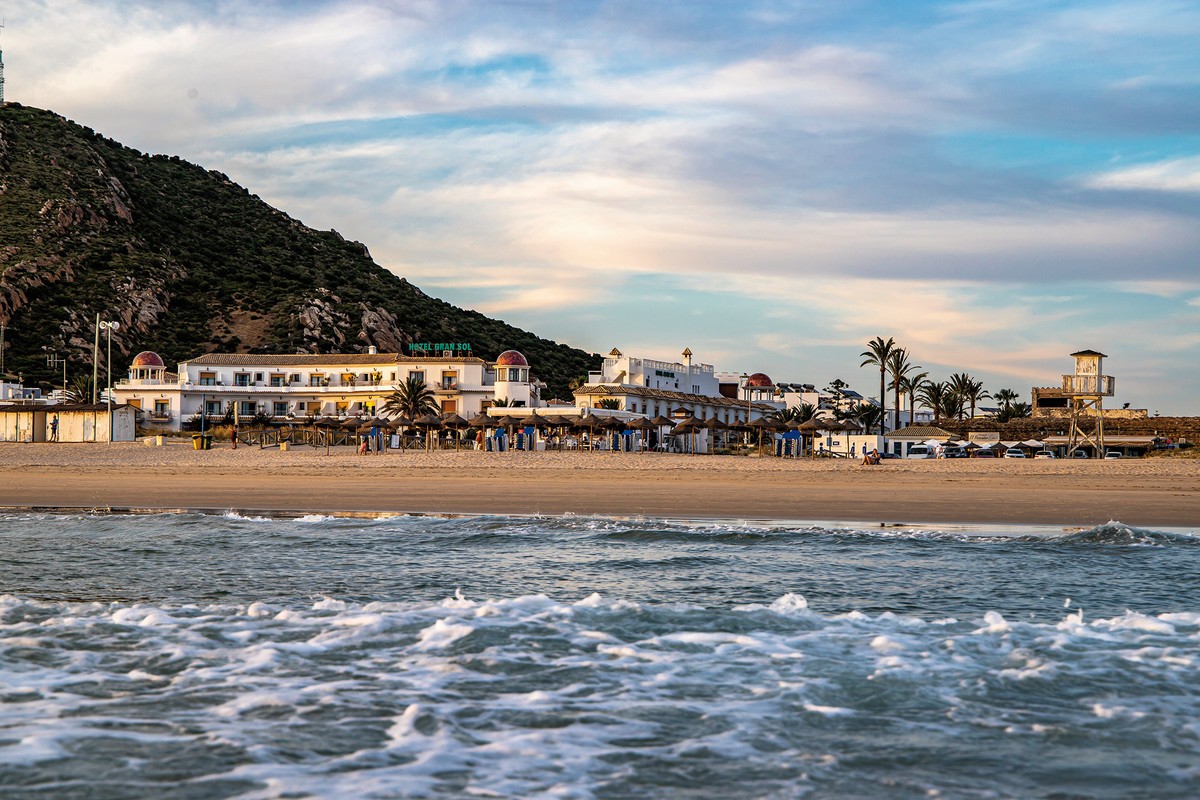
212, 408
314, 407
162, 408
417, 375
514, 373
278, 379
449, 406
393, 378
348, 378
316, 379
241, 379
208, 379
258, 377
279, 409
450, 380
247, 408
294, 377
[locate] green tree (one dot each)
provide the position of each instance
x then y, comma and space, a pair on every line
801, 413
609, 403
866, 414
968, 391
413, 399
81, 389
1005, 398
899, 366
910, 385
877, 354
933, 395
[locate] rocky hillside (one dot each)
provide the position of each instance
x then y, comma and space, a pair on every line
189, 262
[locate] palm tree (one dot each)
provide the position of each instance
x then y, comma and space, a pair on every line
1005, 397
933, 395
971, 393
801, 413
866, 414
910, 385
899, 366
1019, 411
413, 399
962, 385
877, 353
80, 390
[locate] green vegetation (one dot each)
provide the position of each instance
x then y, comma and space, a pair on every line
190, 262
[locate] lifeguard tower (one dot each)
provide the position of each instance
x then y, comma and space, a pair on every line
1086, 390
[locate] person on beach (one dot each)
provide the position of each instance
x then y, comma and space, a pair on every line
54, 429
871, 459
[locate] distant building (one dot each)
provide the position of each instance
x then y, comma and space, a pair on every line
677, 388
295, 387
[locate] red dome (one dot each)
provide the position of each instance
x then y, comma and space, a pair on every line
758, 379
511, 358
146, 359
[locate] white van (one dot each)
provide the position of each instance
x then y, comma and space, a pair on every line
921, 451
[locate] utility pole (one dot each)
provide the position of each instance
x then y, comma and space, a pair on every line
96, 361
110, 327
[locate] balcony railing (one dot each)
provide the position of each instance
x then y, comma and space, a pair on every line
1089, 385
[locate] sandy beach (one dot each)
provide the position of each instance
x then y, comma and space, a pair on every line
1140, 492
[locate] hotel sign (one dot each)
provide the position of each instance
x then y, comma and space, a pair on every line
439, 347
983, 436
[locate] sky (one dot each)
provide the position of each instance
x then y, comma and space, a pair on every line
995, 184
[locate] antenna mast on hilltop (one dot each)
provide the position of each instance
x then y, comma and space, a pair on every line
1, 68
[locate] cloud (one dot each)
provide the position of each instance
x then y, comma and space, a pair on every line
1176, 175
992, 181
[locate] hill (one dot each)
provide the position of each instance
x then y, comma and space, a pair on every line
190, 262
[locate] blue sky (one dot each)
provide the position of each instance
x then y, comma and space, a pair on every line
995, 183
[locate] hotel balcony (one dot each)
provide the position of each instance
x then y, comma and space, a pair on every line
291, 388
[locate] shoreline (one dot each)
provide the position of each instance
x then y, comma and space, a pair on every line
981, 529
1144, 493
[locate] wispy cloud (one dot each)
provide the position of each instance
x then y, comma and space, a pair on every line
992, 182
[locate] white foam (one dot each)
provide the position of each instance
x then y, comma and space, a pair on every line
442, 634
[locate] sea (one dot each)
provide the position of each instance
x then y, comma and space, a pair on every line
237, 656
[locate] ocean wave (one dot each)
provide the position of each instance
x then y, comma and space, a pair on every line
531, 696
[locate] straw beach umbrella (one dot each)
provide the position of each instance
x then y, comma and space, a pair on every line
659, 422
430, 422
689, 425
455, 423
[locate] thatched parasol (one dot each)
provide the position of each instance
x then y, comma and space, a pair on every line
456, 424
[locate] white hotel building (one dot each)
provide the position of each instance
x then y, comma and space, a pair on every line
676, 388
284, 387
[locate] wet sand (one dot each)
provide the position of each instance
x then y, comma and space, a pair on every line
1141, 492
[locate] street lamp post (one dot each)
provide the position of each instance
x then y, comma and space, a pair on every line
109, 327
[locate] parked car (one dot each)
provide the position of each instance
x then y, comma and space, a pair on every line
956, 452
1044, 454
984, 452
920, 451
1113, 454
1077, 453
1014, 452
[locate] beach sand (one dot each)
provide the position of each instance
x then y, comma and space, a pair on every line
1141, 492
